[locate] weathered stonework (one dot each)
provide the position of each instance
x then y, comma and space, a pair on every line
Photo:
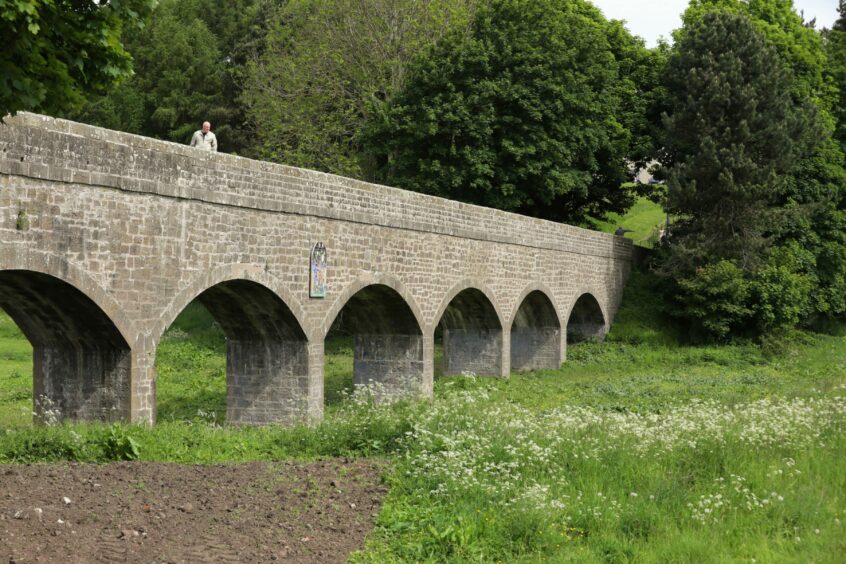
122, 232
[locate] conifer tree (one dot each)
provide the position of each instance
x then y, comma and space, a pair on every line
734, 133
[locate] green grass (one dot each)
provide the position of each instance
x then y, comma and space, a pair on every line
644, 219
15, 375
337, 370
191, 368
512, 470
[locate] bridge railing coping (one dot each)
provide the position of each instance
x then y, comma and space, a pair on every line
60, 150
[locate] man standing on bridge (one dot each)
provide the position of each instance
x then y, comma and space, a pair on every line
205, 139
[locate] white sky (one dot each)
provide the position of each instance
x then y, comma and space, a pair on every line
653, 18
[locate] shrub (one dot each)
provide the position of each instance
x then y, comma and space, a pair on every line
715, 299
780, 291
43, 444
118, 445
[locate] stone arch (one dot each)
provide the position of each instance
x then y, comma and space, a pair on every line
359, 284
587, 319
216, 276
388, 344
59, 268
460, 286
82, 360
472, 331
536, 287
535, 332
267, 350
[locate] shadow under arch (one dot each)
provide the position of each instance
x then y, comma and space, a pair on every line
358, 285
59, 268
586, 321
537, 287
536, 333
216, 276
387, 339
82, 361
267, 354
471, 328
467, 284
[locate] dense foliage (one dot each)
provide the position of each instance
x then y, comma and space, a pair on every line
765, 193
56, 52
525, 112
835, 44
322, 85
188, 65
732, 131
327, 65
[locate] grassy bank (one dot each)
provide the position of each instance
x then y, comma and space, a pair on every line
638, 448
644, 219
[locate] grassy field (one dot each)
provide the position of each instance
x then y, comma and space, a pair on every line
644, 219
637, 449
15, 375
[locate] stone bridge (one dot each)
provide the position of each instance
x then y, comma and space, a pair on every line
106, 237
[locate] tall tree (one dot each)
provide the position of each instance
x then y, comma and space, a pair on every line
524, 113
187, 64
640, 90
799, 45
814, 191
734, 133
835, 44
56, 52
327, 65
240, 27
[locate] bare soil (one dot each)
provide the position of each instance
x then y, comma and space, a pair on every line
151, 512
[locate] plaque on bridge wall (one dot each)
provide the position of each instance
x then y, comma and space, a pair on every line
318, 272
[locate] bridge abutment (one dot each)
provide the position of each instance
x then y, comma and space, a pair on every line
427, 386
391, 366
536, 337
80, 382
473, 339
267, 382
473, 351
82, 365
535, 348
143, 385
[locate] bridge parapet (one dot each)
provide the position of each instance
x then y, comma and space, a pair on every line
59, 150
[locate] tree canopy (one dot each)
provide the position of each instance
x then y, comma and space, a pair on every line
58, 52
523, 112
187, 63
835, 45
326, 65
733, 132
799, 45
754, 177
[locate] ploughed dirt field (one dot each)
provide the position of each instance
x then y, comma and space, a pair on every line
151, 512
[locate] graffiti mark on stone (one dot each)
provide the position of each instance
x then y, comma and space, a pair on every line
317, 278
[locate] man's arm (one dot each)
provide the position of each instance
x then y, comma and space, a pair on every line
214, 144
194, 140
